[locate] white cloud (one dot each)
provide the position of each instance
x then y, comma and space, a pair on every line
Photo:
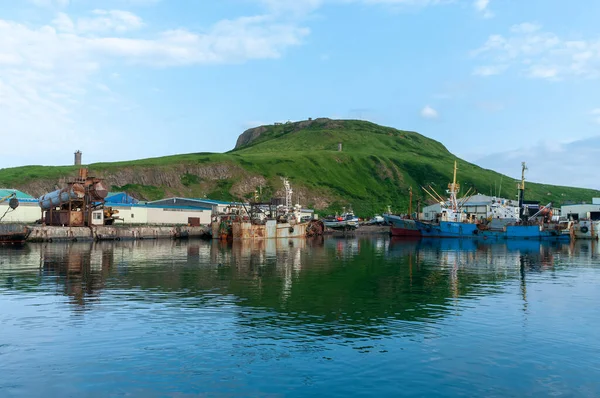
429, 113
541, 161
109, 21
489, 70
539, 54
102, 21
47, 72
295, 7
482, 7
50, 3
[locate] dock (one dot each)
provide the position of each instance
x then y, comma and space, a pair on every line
41, 233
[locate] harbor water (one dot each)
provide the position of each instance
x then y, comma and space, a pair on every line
335, 317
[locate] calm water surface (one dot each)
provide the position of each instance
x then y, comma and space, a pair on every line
335, 317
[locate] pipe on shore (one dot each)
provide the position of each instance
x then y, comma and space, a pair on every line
60, 196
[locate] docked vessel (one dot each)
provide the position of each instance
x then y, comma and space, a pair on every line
403, 225
346, 222
506, 221
265, 221
14, 234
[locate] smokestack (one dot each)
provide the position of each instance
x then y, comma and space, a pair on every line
78, 158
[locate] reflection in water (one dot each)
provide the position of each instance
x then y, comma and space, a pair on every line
276, 271
327, 308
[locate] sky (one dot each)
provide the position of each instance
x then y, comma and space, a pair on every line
497, 82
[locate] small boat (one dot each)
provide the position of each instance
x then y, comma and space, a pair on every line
346, 222
13, 234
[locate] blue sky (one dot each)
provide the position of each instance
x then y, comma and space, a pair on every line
497, 82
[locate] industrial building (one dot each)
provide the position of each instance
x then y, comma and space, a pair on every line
216, 206
582, 210
127, 210
120, 197
172, 211
27, 212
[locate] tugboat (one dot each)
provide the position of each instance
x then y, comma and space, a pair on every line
12, 234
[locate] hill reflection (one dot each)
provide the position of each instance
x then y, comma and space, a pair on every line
346, 287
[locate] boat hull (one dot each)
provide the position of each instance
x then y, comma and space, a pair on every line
446, 229
13, 234
341, 225
402, 226
271, 229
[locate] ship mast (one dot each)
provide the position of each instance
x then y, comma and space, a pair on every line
410, 202
453, 190
521, 188
288, 193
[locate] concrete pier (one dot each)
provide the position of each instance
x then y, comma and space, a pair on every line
50, 234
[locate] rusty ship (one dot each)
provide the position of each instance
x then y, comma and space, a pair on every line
265, 221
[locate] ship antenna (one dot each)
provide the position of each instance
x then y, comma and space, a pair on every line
522, 191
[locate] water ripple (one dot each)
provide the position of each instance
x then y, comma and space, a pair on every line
338, 317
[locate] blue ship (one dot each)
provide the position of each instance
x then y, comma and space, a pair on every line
455, 224
447, 229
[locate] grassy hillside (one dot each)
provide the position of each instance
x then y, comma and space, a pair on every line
375, 169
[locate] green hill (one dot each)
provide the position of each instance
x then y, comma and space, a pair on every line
375, 168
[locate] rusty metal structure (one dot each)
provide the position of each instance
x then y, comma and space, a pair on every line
79, 204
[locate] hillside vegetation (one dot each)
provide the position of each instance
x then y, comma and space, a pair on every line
375, 169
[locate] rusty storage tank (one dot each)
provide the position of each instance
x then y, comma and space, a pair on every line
60, 196
98, 191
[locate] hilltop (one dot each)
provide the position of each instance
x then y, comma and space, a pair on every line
375, 168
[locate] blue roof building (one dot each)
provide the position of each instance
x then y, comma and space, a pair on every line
20, 195
120, 198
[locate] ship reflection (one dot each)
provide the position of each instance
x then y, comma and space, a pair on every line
78, 269
349, 280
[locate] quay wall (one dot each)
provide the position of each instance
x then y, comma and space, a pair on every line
51, 234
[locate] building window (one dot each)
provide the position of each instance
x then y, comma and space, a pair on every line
97, 216
131, 215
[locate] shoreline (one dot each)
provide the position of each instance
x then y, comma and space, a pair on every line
48, 234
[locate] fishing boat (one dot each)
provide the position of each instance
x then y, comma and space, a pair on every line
505, 224
348, 221
403, 224
265, 221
